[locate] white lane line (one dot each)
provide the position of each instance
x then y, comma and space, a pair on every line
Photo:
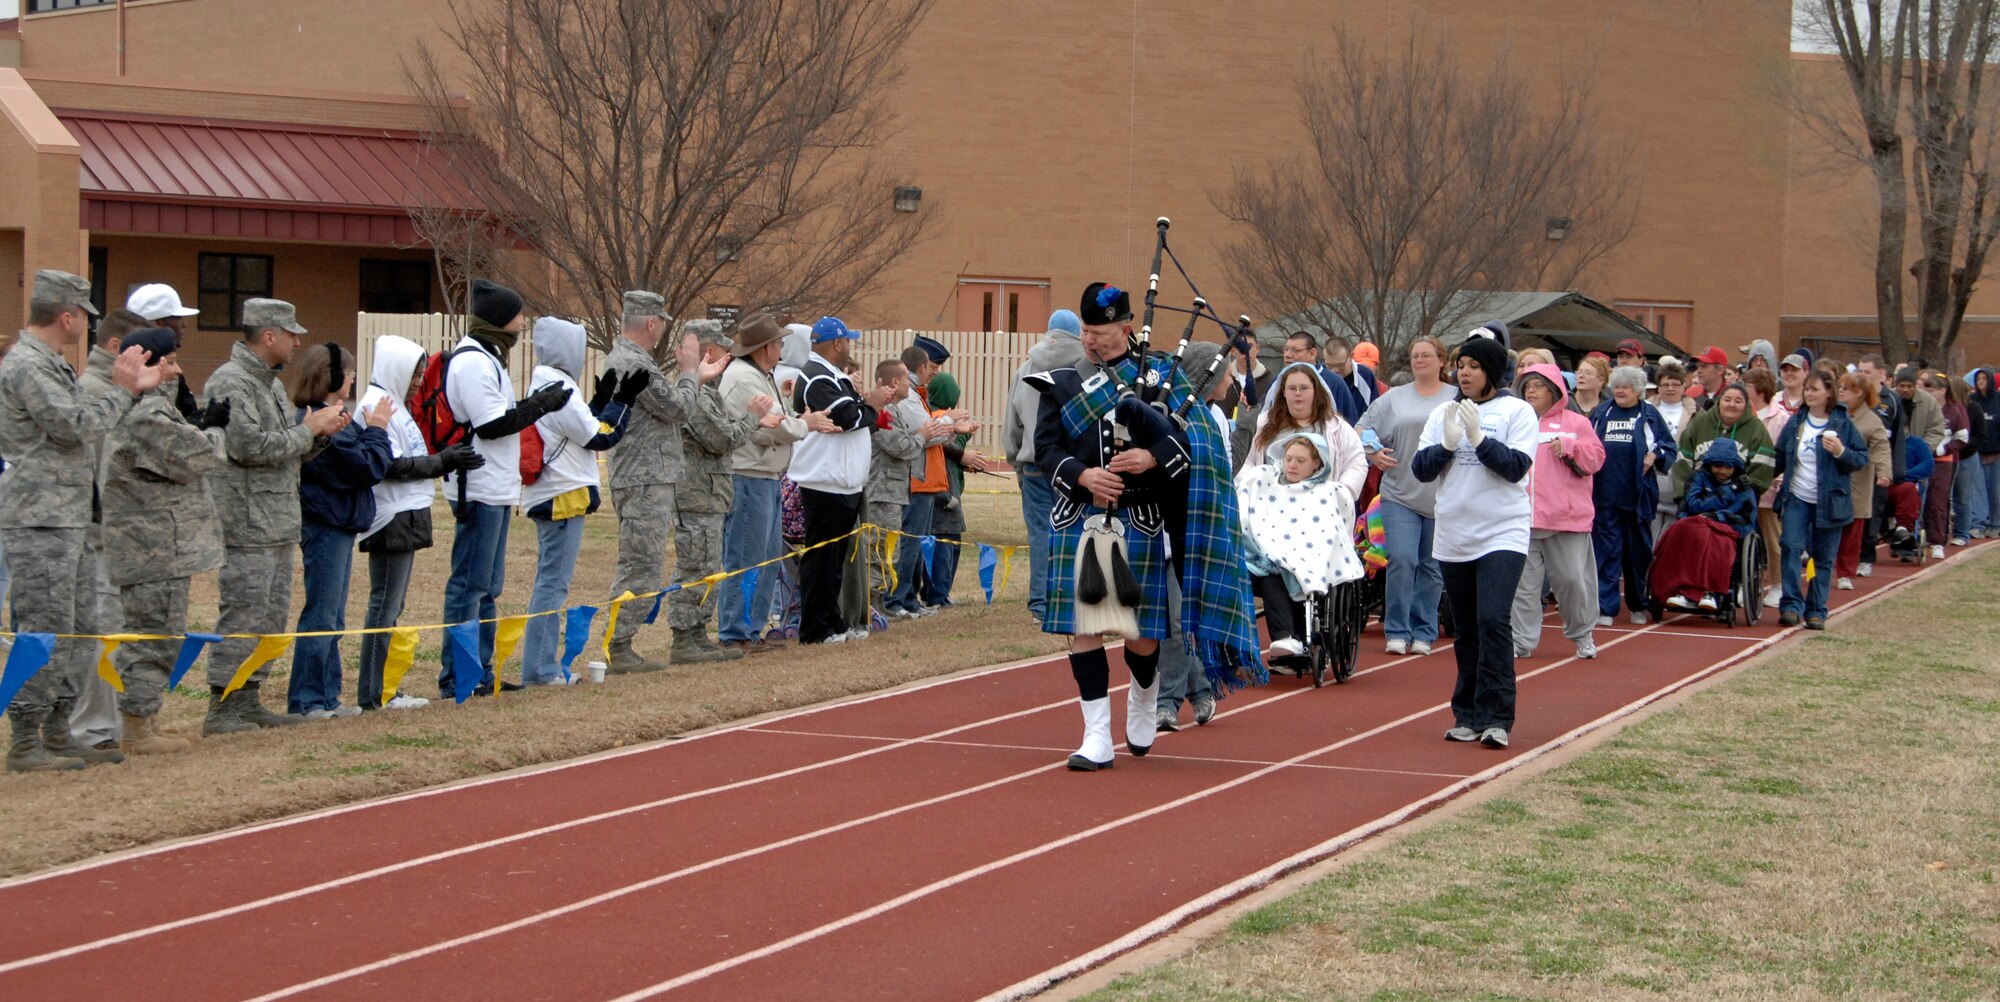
382, 871
1201, 905
1157, 755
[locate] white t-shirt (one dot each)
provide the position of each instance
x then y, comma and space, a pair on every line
1805, 461
1674, 413
1478, 511
479, 390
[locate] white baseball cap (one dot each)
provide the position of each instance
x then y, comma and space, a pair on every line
157, 302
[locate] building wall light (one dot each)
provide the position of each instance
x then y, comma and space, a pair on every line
1558, 227
907, 199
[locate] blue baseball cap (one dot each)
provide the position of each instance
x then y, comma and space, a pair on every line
831, 329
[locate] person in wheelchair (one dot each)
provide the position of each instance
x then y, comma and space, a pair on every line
1906, 499
1297, 521
1697, 555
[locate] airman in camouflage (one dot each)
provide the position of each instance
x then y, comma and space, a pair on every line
647, 463
257, 499
49, 497
160, 529
711, 433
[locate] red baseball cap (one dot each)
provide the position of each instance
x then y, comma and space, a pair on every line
1713, 356
1630, 346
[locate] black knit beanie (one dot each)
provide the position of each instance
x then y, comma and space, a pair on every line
496, 304
159, 342
1492, 359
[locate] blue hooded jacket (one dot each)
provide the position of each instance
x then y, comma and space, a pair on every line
1834, 507
1732, 502
336, 487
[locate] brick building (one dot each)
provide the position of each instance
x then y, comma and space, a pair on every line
1050, 139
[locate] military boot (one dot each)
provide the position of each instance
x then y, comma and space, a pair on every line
257, 713
57, 739
626, 661
143, 737
225, 713
26, 754
689, 649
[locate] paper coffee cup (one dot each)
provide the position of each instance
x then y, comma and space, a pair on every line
596, 669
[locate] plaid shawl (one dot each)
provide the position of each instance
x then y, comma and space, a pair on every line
1218, 619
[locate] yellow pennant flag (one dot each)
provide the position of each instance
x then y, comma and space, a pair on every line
611, 622
402, 653
105, 669
1006, 569
268, 647
506, 637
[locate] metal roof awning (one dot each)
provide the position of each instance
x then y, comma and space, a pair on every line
1569, 324
257, 180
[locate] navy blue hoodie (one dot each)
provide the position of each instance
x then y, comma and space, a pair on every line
336, 486
1623, 483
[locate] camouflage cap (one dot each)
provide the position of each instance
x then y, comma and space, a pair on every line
639, 303
261, 313
63, 289
710, 332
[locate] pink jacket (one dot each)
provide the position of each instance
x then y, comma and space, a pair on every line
1561, 485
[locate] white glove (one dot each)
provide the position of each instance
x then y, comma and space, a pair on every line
1940, 448
1468, 415
1451, 428
1963, 434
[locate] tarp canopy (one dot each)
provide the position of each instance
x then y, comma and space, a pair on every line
1569, 324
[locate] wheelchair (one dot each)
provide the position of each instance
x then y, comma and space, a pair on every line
1333, 624
1744, 595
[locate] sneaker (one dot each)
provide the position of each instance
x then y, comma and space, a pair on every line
1846, 584
347, 711
1606, 621
1788, 619
1900, 536
1681, 602
858, 633
1521, 655
1285, 648
1937, 552
1960, 541
1708, 603
319, 714
1204, 707
1461, 733
407, 703
929, 610
1816, 622
1165, 722
897, 612
838, 638
1640, 619
1495, 737
333, 714
1866, 570
1774, 596
1396, 647
1421, 648
1586, 649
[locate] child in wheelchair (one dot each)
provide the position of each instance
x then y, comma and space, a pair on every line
1696, 557
1297, 536
1906, 500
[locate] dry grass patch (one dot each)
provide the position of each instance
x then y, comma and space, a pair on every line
51, 819
1824, 825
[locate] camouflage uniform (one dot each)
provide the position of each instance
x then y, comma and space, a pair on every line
47, 499
160, 529
94, 718
644, 468
257, 499
706, 489
887, 492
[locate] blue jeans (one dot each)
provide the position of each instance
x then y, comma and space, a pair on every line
1990, 473
750, 536
1968, 496
1624, 542
1038, 498
478, 572
916, 522
328, 556
942, 574
1413, 583
1799, 539
388, 586
556, 547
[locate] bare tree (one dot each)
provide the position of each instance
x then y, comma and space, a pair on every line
1916, 112
1421, 185
453, 218
700, 148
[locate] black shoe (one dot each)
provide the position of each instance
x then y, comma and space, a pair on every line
1077, 763
506, 686
1788, 619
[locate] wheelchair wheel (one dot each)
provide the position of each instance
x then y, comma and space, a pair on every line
1749, 567
1324, 633
1349, 618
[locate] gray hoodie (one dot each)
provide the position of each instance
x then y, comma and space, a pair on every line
1056, 350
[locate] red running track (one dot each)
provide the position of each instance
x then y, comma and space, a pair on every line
923, 843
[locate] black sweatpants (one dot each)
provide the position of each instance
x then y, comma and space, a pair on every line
1481, 593
1283, 615
828, 516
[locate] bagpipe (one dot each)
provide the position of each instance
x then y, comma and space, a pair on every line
1145, 412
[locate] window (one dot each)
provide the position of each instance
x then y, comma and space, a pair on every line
395, 286
44, 6
1669, 319
100, 265
226, 281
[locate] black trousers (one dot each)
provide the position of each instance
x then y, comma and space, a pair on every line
1481, 594
828, 516
1282, 614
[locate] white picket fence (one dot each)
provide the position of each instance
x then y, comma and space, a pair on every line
982, 361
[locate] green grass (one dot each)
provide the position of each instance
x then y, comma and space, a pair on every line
1825, 824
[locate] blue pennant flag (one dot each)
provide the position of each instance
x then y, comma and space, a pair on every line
576, 632
30, 654
467, 670
748, 584
988, 562
927, 547
654, 612
191, 649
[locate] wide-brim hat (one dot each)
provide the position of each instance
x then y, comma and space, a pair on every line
757, 330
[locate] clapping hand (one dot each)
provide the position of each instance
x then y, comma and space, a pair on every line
819, 421
631, 385
378, 415
607, 385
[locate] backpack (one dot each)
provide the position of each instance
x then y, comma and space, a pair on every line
531, 454
430, 408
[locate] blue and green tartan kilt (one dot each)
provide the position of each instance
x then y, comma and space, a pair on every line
1147, 556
